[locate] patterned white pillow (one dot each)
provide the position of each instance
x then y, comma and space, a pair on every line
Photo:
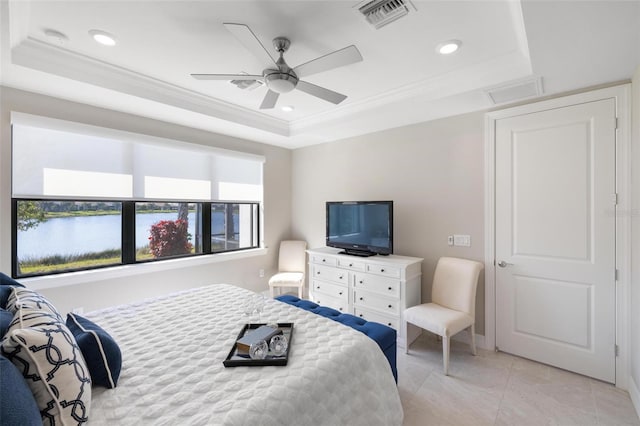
30, 300
44, 350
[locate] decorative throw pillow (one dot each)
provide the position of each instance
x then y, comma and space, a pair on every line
31, 301
100, 350
45, 352
7, 280
5, 319
6, 287
17, 405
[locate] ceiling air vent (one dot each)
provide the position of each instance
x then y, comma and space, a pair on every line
517, 91
382, 12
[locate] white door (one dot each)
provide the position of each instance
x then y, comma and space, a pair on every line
555, 237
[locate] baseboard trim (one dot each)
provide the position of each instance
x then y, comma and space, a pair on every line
465, 338
634, 393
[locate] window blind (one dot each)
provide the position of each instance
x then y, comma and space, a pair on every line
55, 158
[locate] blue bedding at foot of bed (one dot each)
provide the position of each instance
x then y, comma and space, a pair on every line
384, 336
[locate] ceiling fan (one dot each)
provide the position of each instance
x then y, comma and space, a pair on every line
282, 78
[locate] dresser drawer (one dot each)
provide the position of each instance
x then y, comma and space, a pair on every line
378, 284
387, 271
352, 264
392, 322
328, 273
330, 289
375, 301
332, 302
324, 260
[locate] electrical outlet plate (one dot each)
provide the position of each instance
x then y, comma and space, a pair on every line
450, 240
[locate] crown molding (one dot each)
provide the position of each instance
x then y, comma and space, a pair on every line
41, 56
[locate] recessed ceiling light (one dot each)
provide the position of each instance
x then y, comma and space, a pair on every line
448, 47
103, 37
56, 36
288, 108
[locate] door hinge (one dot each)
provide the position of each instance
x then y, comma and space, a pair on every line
616, 275
617, 350
616, 123
614, 198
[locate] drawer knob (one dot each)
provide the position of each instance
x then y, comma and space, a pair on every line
360, 315
317, 286
389, 324
340, 293
324, 260
340, 308
341, 277
390, 306
318, 272
361, 282
390, 288
382, 270
362, 298
351, 264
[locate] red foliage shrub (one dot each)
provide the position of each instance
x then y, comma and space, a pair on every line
169, 238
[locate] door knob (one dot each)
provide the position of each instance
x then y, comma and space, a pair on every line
504, 264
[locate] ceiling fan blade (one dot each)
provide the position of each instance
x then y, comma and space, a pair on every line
249, 40
348, 55
226, 77
269, 100
321, 92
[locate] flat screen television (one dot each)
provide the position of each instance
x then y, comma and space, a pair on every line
361, 228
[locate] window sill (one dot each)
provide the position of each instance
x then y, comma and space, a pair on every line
80, 277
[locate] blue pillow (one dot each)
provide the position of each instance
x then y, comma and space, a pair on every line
5, 319
17, 405
6, 286
100, 351
7, 280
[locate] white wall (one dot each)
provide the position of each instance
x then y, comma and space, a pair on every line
432, 171
634, 382
93, 290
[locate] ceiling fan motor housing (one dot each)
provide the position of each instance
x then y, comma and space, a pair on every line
283, 79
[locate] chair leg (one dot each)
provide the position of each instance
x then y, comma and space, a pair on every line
406, 337
271, 291
473, 339
445, 354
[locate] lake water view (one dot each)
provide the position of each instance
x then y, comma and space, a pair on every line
89, 234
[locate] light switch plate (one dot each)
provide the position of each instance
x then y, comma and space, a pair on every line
462, 240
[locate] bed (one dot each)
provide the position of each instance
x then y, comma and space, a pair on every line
173, 349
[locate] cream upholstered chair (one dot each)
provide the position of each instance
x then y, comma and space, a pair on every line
453, 303
291, 266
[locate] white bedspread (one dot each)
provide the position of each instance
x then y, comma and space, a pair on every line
172, 372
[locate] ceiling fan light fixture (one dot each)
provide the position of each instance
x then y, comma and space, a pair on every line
281, 82
448, 47
103, 37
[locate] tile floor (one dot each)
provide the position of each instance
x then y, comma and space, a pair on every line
495, 388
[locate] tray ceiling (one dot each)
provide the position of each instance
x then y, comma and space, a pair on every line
551, 46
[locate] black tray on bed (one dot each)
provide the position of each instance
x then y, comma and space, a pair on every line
235, 360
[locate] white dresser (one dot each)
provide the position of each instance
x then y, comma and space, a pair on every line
377, 288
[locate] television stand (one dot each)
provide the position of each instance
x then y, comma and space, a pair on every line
359, 253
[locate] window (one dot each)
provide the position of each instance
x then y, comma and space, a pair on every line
65, 235
168, 230
87, 197
233, 226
